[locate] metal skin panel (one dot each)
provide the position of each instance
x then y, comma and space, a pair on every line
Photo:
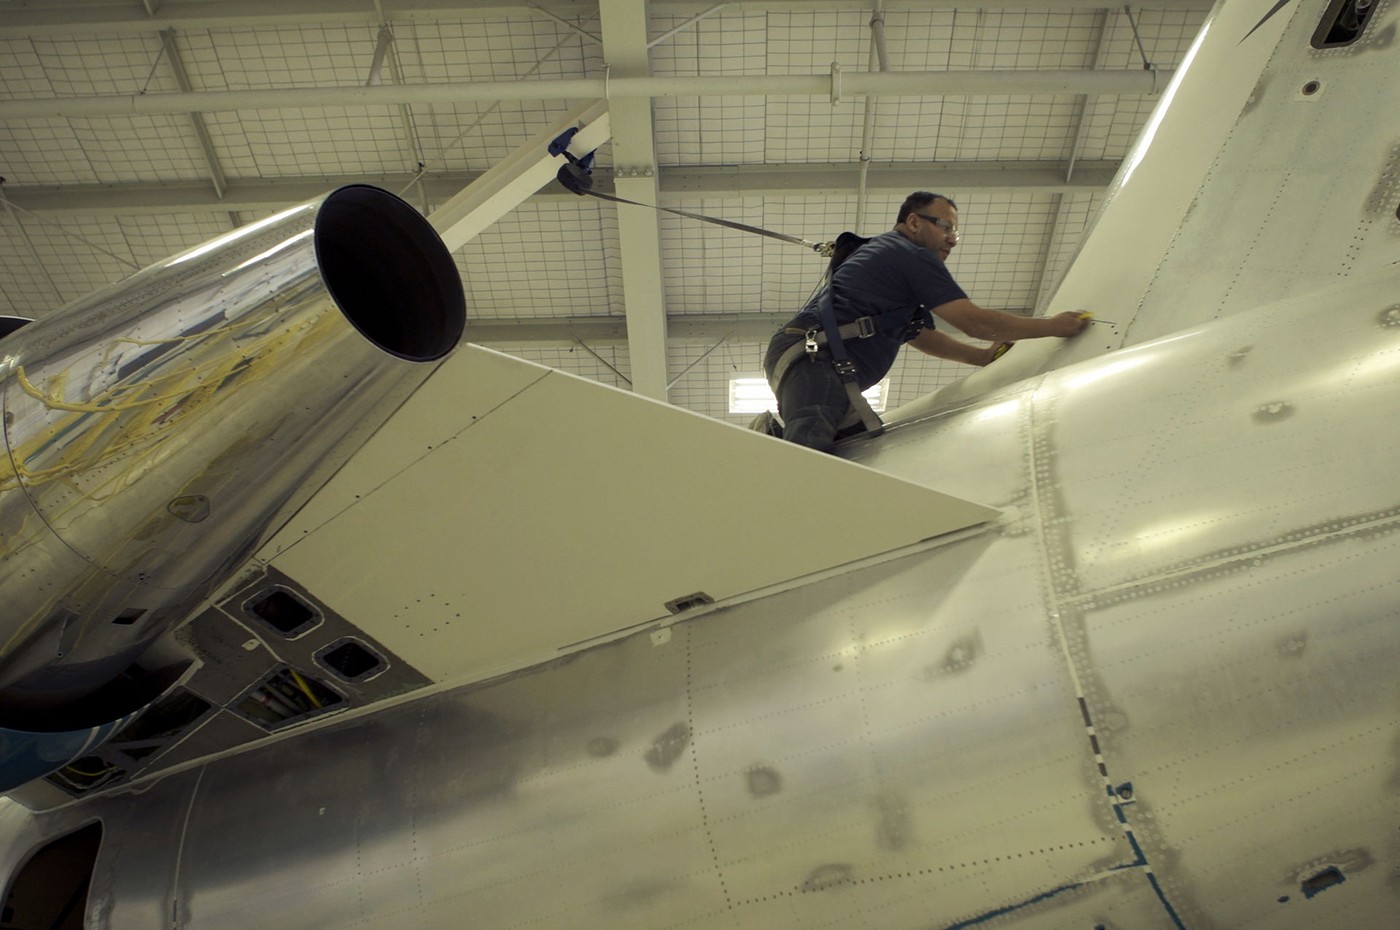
1263, 743
1283, 402
817, 753
134, 878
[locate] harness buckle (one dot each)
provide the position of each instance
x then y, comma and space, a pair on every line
865, 327
811, 343
845, 368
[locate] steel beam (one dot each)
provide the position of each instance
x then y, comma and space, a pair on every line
123, 18
639, 230
206, 145
684, 329
837, 86
738, 181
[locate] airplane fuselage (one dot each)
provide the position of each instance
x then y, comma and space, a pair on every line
1144, 698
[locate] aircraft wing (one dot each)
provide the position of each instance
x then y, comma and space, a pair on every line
510, 511
1253, 181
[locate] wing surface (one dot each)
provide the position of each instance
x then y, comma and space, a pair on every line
510, 510
1263, 174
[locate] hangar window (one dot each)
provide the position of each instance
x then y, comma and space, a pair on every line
51, 890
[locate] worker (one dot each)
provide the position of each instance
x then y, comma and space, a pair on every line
884, 294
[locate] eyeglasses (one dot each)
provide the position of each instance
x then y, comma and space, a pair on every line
947, 227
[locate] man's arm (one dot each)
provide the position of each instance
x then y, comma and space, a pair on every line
996, 326
941, 345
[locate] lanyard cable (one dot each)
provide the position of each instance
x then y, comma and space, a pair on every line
576, 175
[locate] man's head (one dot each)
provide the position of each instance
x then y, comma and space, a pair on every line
929, 220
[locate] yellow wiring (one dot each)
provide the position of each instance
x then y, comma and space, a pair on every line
97, 444
78, 771
111, 439
305, 688
56, 404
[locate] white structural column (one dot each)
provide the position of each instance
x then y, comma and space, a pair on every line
639, 232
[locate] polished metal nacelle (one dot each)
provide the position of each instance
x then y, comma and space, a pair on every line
159, 429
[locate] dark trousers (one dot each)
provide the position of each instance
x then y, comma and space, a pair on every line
812, 399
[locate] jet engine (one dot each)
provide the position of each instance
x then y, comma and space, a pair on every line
157, 431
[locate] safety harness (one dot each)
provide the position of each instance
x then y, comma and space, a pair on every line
898, 323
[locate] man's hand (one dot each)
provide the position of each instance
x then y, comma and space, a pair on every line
1069, 323
999, 326
994, 352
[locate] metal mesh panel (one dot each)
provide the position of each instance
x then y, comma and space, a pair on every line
122, 64
140, 148
710, 130
43, 152
74, 258
549, 258
475, 137
726, 43
481, 50
21, 72
711, 269
699, 379
337, 140
306, 56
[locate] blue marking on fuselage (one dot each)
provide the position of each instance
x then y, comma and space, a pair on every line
991, 915
1161, 896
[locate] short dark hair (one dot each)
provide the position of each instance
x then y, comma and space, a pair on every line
917, 201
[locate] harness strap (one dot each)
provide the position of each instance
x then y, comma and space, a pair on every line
845, 368
859, 411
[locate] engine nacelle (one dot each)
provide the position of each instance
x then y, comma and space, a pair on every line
158, 430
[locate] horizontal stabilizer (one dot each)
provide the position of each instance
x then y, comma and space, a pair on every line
509, 511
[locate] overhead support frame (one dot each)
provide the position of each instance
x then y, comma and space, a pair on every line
733, 181
833, 85
624, 27
127, 19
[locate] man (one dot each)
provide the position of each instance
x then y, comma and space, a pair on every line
899, 281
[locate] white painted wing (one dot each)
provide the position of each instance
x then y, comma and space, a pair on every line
509, 511
1263, 174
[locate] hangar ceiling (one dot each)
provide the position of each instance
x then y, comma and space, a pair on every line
132, 130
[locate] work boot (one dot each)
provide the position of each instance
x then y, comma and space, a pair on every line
767, 424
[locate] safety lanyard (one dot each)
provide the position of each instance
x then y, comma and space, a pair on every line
576, 174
